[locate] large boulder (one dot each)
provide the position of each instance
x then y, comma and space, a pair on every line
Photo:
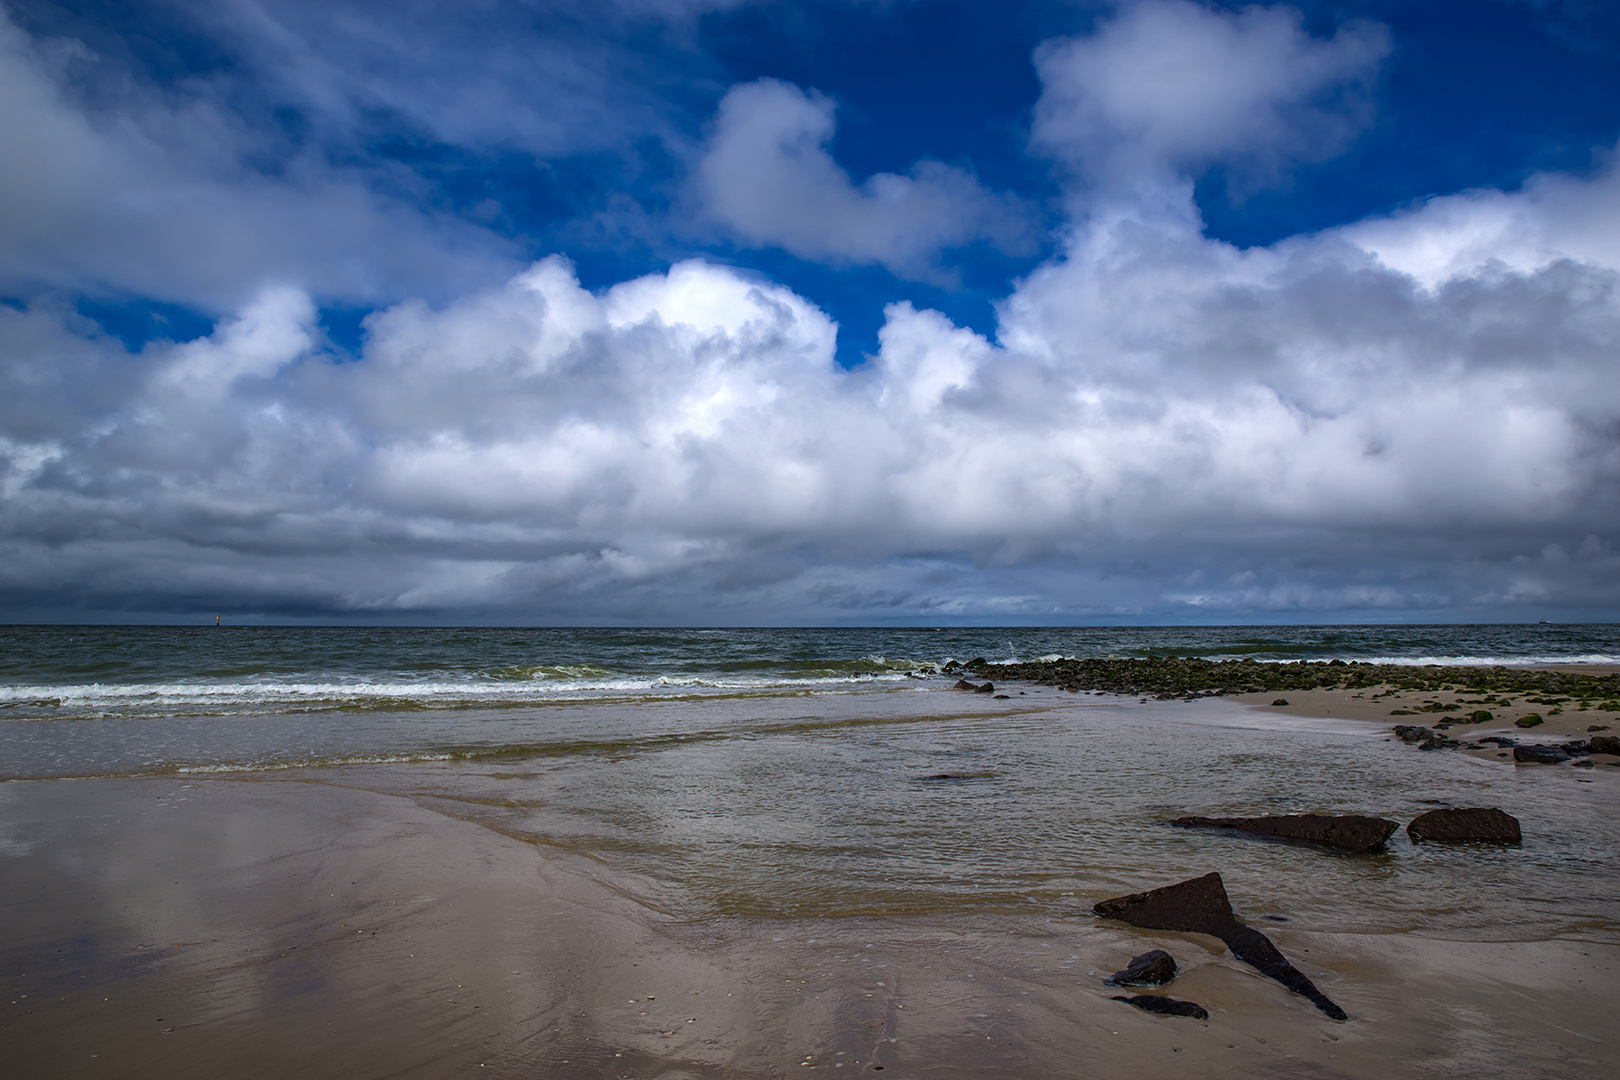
1200, 905
1150, 969
1477, 824
1348, 832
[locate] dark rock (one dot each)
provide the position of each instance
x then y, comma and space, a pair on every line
1150, 969
1500, 740
1605, 744
1477, 824
1402, 712
1409, 733
1530, 720
963, 684
1256, 950
1481, 716
1003, 697
1541, 754
1195, 905
1164, 1006
1200, 906
987, 688
1280, 701
940, 776
1349, 832
1598, 727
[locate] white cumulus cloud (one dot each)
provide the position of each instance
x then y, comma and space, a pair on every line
767, 176
1169, 85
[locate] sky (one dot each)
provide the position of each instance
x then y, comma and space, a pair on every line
872, 312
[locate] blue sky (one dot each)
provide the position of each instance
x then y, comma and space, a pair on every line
716, 311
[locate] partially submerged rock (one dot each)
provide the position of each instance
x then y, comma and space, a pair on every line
1348, 832
963, 684
1150, 969
1541, 754
1475, 824
1191, 906
1604, 744
1201, 906
1164, 1006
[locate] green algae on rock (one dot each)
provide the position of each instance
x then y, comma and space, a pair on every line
1168, 677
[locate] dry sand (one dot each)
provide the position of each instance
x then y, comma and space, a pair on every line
291, 927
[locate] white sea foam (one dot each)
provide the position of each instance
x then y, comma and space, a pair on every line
231, 696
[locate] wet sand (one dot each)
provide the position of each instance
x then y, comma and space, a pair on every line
288, 924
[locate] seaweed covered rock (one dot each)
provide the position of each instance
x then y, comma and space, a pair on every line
1474, 824
1191, 675
1347, 832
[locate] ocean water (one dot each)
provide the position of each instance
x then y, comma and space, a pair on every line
769, 775
87, 673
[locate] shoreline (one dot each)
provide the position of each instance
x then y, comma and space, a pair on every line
1569, 702
358, 921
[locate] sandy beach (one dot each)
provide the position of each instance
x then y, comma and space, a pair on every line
1387, 707
312, 923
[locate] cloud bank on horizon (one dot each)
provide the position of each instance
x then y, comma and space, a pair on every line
1411, 410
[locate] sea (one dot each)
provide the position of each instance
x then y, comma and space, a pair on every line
778, 774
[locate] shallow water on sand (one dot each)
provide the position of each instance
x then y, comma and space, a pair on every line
939, 803
821, 790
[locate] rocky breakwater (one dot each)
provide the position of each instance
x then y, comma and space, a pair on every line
1169, 677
